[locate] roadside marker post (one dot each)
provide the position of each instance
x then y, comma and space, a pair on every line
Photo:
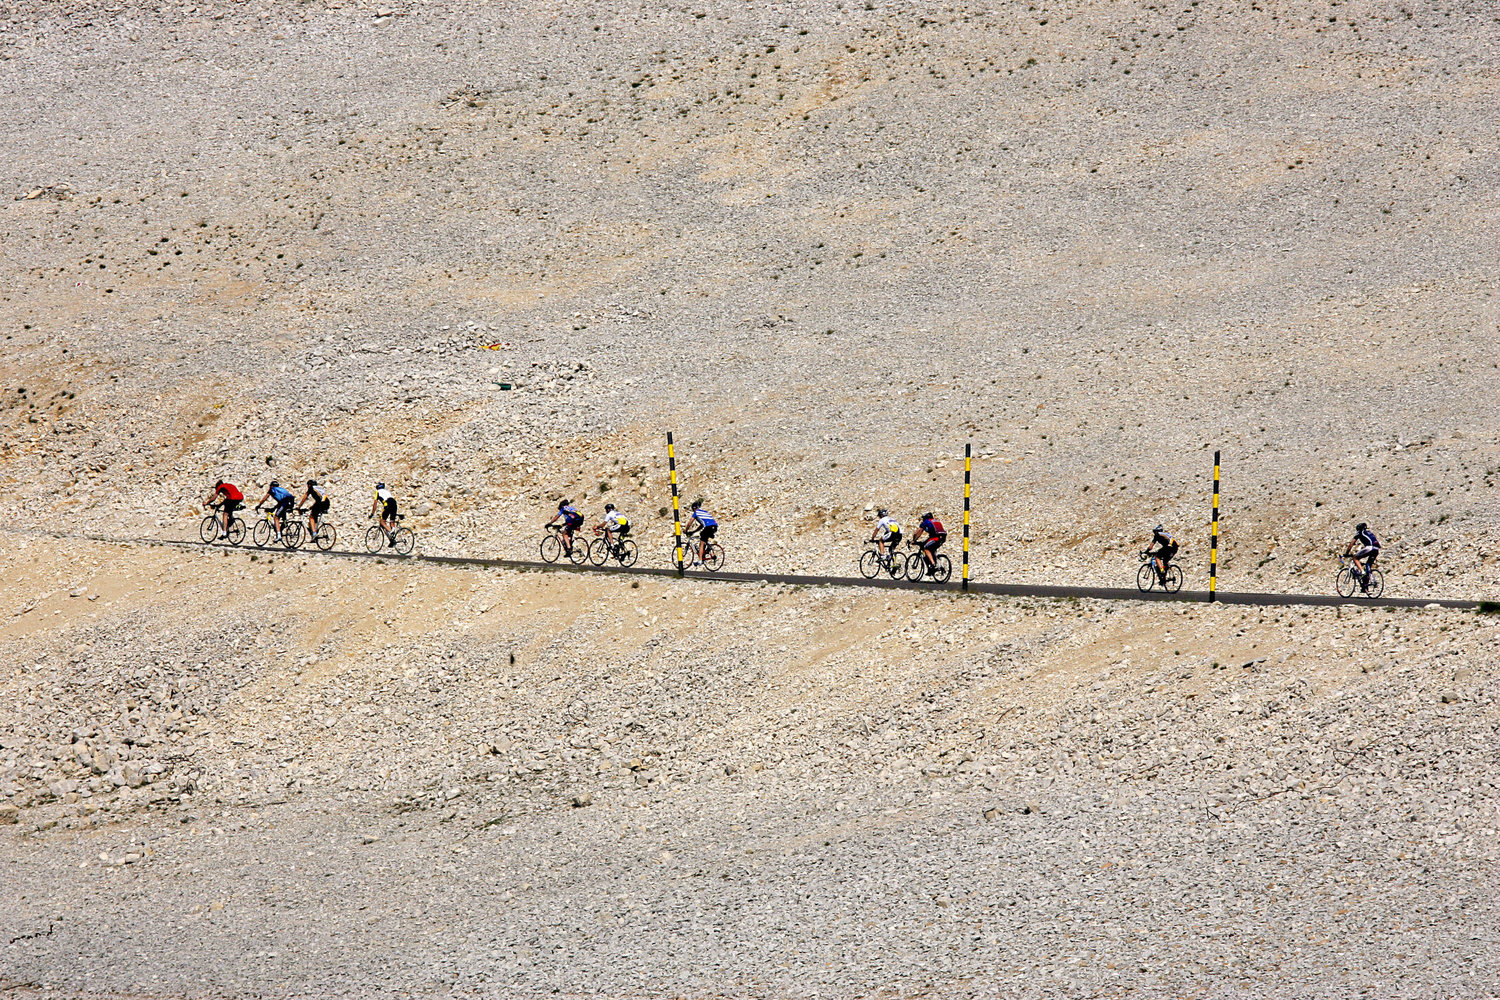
968, 465
1213, 540
676, 512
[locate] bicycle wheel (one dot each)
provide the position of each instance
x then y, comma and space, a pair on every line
598, 551
869, 564
896, 567
327, 535
580, 554
291, 534
627, 553
915, 567
1145, 577
713, 559
261, 536
1377, 584
236, 531
943, 570
208, 529
374, 538
551, 547
1174, 579
1346, 583
405, 541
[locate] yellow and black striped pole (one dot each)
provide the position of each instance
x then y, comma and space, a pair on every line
676, 512
1213, 539
968, 464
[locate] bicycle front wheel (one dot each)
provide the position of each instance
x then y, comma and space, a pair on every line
374, 538
943, 570
627, 553
1174, 580
1377, 584
1145, 577
261, 536
713, 559
869, 564
598, 551
551, 547
915, 567
1346, 583
326, 537
208, 529
236, 531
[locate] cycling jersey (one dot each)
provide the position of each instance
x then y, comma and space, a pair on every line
704, 518
384, 495
318, 496
888, 527
571, 516
282, 495
229, 492
933, 526
1367, 539
1163, 540
616, 520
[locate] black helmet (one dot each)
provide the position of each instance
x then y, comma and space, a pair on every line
311, 483
609, 506
563, 503
274, 484
696, 504
218, 484
881, 512
1361, 526
927, 516
1159, 528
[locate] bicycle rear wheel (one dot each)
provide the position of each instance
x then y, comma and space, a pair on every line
1377, 584
943, 570
208, 529
1174, 580
551, 547
327, 535
236, 534
1145, 577
261, 536
1346, 583
598, 551
713, 558
375, 538
628, 552
405, 541
869, 564
291, 534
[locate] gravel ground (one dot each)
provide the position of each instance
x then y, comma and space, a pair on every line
827, 245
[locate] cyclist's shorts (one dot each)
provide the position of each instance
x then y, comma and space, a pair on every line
709, 531
319, 508
1366, 550
933, 544
284, 507
622, 531
230, 506
1167, 553
389, 511
573, 523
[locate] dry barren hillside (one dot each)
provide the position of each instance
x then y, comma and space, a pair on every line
826, 245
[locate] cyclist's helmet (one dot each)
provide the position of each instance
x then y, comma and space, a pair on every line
380, 486
881, 512
1160, 528
1361, 526
609, 506
311, 483
927, 516
562, 503
696, 504
218, 484
274, 484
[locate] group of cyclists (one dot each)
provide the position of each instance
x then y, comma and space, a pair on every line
702, 526
227, 498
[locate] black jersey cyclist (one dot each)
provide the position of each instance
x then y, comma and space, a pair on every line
1364, 547
1162, 548
318, 497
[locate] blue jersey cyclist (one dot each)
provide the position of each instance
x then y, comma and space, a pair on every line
571, 522
930, 535
705, 524
1365, 548
285, 501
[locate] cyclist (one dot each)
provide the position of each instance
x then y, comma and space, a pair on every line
285, 501
385, 502
571, 521
318, 497
615, 525
1161, 550
936, 536
887, 536
229, 499
705, 524
1364, 547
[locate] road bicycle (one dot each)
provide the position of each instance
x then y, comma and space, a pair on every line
872, 563
554, 547
623, 549
712, 558
211, 529
288, 533
402, 539
916, 565
1352, 581
1148, 577
327, 533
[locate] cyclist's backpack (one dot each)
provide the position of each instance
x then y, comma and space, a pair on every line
935, 527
